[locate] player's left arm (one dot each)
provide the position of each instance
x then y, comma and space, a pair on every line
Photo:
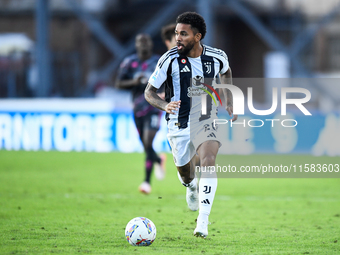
226, 78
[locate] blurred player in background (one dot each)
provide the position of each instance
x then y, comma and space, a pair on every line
177, 67
169, 36
133, 74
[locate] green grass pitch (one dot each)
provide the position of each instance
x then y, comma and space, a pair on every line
74, 203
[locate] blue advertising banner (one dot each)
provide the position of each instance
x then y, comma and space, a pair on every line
94, 125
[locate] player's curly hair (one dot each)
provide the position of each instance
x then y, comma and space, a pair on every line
195, 20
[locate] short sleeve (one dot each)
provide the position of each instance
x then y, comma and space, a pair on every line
159, 76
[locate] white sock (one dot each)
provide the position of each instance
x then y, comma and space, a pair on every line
207, 190
203, 217
192, 185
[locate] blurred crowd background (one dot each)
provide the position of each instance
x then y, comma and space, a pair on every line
59, 61
73, 48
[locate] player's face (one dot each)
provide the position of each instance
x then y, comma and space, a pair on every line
185, 38
143, 43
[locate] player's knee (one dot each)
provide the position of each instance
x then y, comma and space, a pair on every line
208, 160
147, 146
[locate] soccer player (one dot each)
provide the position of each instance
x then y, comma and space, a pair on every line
169, 36
169, 39
189, 132
133, 74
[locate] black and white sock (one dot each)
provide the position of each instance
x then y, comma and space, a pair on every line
207, 190
192, 185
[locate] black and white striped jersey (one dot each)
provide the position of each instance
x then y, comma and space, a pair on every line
177, 71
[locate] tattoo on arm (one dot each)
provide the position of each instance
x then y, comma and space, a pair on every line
153, 99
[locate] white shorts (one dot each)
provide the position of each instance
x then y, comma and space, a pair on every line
185, 142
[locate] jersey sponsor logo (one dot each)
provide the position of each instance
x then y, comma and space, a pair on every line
185, 69
197, 81
198, 84
195, 92
197, 87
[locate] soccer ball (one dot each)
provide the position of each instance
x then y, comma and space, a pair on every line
140, 231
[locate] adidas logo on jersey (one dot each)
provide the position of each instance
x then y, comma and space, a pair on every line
212, 135
206, 201
185, 69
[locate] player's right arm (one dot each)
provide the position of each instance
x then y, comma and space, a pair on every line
156, 80
152, 97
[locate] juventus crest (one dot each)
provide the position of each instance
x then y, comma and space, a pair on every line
208, 67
